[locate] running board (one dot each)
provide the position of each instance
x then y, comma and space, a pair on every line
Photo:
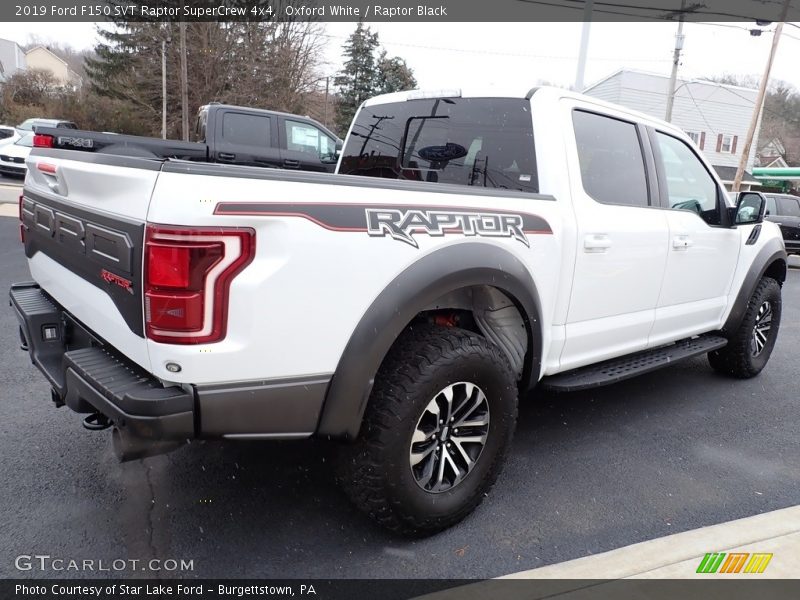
631, 365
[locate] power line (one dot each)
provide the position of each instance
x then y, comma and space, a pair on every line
579, 5
700, 111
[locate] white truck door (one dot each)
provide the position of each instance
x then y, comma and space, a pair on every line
622, 238
702, 255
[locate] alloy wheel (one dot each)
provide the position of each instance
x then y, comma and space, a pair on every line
449, 437
761, 329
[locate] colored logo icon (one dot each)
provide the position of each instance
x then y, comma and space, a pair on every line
734, 562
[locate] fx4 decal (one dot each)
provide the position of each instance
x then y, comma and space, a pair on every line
401, 222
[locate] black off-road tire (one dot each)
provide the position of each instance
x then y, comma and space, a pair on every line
737, 359
375, 470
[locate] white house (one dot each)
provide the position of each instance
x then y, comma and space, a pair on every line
716, 116
42, 58
772, 155
12, 59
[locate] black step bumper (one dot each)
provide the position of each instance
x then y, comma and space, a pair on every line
90, 377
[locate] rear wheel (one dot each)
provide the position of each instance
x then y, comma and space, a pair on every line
436, 431
750, 346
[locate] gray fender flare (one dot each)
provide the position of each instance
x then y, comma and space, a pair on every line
443, 271
771, 260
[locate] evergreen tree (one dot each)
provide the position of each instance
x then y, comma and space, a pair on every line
393, 75
365, 75
356, 82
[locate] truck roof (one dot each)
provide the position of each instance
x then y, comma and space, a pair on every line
265, 111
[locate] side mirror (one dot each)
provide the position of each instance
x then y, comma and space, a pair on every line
339, 145
751, 207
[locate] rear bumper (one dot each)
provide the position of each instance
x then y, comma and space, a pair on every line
7, 169
90, 376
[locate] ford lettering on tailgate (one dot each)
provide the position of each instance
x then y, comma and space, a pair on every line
98, 248
106, 246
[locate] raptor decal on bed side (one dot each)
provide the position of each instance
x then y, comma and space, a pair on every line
401, 222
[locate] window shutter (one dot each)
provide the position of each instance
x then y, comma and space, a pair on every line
719, 142
702, 140
733, 145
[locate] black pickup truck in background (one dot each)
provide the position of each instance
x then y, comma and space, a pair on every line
223, 134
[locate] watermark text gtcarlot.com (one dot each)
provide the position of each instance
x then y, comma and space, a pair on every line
46, 563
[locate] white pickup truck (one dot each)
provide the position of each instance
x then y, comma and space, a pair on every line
469, 248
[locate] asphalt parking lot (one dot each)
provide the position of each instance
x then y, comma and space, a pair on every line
671, 451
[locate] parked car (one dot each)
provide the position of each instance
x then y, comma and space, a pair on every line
403, 312
784, 211
13, 155
226, 134
28, 125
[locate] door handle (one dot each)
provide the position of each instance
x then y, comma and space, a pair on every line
226, 156
596, 243
681, 242
291, 163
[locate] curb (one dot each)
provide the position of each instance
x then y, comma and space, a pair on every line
664, 557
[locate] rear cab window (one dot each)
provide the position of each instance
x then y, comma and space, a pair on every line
481, 142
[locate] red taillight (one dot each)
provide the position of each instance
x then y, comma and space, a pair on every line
188, 273
43, 141
168, 266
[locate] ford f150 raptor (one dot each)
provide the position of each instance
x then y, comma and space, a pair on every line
469, 248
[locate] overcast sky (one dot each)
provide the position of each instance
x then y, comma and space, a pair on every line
446, 55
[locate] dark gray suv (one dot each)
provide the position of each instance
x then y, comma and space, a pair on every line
784, 211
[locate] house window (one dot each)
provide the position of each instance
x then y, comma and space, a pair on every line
695, 137
726, 144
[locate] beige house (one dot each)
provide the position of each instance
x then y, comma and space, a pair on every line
42, 58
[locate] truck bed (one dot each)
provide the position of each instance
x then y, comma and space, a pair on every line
123, 145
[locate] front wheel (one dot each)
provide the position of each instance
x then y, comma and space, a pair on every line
436, 431
750, 346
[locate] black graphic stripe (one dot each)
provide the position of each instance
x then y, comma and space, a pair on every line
352, 217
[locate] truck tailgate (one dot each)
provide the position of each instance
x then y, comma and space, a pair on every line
84, 218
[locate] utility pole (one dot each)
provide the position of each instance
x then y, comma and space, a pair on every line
762, 92
164, 88
676, 61
184, 83
584, 49
327, 86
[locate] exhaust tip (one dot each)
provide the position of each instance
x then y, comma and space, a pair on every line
128, 447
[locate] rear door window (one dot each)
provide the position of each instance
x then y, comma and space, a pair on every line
611, 160
248, 130
788, 207
482, 142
